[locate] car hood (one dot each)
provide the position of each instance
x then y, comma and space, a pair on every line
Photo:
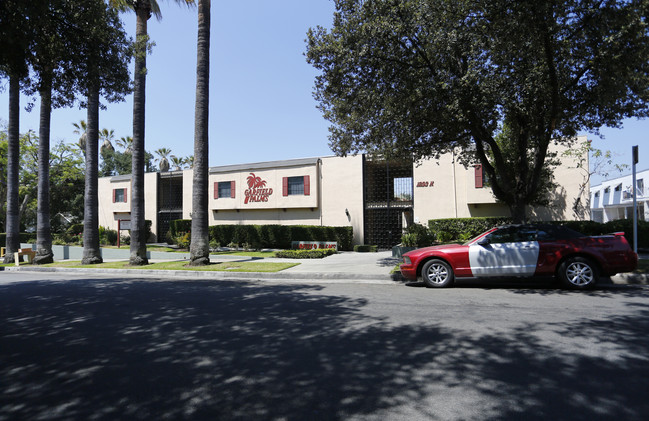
442, 248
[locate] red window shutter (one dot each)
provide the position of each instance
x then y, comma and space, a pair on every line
307, 185
216, 189
284, 186
232, 195
114, 195
478, 177
125, 190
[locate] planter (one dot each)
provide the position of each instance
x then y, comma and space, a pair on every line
398, 251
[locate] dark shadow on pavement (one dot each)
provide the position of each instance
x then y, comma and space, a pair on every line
118, 349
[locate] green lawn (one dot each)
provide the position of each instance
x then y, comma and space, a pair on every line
180, 265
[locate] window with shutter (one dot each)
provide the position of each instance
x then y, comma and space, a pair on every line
479, 178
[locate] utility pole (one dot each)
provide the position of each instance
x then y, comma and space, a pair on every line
635, 200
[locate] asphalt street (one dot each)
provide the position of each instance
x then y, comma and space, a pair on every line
84, 346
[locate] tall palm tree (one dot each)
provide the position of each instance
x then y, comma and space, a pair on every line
163, 162
143, 10
199, 251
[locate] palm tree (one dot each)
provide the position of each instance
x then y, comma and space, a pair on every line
125, 142
81, 128
178, 162
163, 162
189, 161
143, 10
199, 251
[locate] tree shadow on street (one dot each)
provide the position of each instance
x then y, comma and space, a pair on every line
151, 349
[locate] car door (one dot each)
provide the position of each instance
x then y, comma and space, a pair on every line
508, 251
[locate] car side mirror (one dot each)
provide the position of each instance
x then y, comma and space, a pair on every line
484, 241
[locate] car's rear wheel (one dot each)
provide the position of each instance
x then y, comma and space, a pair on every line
578, 273
437, 273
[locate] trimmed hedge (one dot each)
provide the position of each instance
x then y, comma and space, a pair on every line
366, 249
305, 254
271, 236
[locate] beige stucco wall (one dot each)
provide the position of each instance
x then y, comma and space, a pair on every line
188, 182
447, 190
151, 199
342, 193
109, 212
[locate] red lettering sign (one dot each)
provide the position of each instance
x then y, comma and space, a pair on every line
257, 191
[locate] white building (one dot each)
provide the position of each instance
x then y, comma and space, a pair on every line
613, 199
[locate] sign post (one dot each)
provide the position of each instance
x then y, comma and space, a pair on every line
634, 151
122, 224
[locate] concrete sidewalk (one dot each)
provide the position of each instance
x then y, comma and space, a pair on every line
343, 267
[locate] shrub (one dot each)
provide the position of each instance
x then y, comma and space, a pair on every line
366, 248
304, 254
418, 236
107, 236
407, 240
183, 239
280, 236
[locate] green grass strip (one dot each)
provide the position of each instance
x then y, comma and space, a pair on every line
182, 265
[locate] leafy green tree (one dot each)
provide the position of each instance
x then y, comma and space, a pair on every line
143, 10
199, 252
66, 171
427, 77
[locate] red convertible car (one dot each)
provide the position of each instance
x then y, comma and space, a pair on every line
528, 250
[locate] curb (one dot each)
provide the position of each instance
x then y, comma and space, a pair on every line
337, 277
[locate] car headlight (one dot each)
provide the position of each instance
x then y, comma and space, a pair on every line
406, 260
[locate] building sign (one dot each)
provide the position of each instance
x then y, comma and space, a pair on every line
257, 191
425, 184
314, 245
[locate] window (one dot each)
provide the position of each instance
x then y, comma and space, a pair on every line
618, 187
640, 187
596, 194
607, 190
479, 177
224, 189
119, 195
296, 186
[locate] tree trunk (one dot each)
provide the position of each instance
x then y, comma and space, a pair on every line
518, 211
200, 244
91, 251
43, 229
138, 240
13, 167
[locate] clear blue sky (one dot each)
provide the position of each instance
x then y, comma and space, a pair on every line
261, 103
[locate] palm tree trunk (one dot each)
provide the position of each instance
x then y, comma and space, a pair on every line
91, 251
200, 244
13, 164
43, 229
138, 240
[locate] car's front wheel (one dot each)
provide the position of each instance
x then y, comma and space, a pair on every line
437, 273
578, 273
